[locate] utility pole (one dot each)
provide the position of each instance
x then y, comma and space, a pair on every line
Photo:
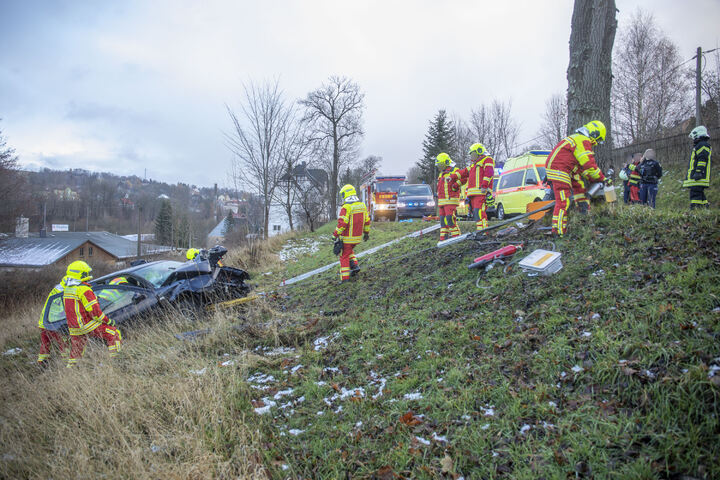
138, 230
698, 93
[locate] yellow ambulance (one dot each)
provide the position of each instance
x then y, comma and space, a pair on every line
521, 182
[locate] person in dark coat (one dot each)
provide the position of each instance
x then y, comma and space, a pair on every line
650, 174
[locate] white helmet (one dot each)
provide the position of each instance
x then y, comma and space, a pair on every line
698, 132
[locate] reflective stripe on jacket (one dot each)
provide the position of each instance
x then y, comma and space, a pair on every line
478, 175
448, 189
353, 221
572, 155
634, 178
56, 289
699, 166
82, 309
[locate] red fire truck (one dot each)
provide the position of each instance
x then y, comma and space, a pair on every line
380, 195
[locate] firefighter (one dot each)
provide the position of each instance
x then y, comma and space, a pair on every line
479, 178
448, 192
47, 337
83, 313
698, 175
353, 224
573, 155
192, 253
634, 180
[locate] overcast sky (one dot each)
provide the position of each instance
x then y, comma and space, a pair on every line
132, 85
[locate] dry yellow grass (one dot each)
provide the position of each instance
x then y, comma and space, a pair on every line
142, 415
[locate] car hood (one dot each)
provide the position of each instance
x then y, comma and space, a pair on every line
423, 198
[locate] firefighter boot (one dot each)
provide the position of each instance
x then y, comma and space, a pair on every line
354, 268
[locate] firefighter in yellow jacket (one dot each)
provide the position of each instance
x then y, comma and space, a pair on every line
448, 191
353, 225
84, 316
47, 337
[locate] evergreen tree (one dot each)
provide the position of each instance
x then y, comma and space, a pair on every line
440, 138
229, 226
163, 224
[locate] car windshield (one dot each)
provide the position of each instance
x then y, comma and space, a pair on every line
415, 190
157, 273
541, 172
388, 186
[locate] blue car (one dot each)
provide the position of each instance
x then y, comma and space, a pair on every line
415, 200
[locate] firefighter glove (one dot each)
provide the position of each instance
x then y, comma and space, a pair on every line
366, 237
338, 246
608, 181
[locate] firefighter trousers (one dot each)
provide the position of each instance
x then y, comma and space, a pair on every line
477, 202
347, 259
110, 334
698, 198
562, 192
47, 337
448, 222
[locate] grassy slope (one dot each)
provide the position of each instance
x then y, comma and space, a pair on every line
643, 329
415, 322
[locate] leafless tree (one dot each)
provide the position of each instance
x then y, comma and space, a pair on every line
311, 205
414, 174
493, 126
650, 90
589, 73
12, 191
554, 127
463, 139
334, 113
257, 140
295, 148
710, 84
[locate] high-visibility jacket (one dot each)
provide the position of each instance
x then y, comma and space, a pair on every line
353, 221
478, 175
448, 189
56, 289
698, 174
82, 309
635, 177
572, 155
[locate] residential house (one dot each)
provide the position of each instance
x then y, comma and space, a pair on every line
63, 248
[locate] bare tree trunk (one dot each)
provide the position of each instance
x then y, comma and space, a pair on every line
590, 71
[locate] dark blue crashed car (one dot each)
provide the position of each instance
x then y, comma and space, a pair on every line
186, 287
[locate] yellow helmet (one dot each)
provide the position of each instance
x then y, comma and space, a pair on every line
347, 191
443, 161
595, 130
192, 253
478, 148
79, 270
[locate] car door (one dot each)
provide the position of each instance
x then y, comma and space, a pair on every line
532, 188
119, 302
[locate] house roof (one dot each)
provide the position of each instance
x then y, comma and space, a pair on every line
38, 251
316, 175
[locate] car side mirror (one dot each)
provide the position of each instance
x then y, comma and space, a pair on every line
531, 181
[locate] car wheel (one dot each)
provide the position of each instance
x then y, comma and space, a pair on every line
500, 212
188, 310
